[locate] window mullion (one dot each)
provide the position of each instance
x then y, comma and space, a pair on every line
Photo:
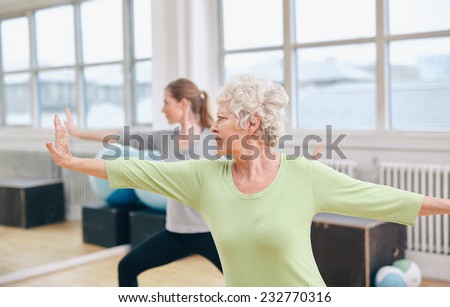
79, 79
382, 83
2, 101
128, 63
34, 97
289, 60
221, 43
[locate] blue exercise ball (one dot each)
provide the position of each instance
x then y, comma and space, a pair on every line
149, 199
152, 200
101, 186
390, 276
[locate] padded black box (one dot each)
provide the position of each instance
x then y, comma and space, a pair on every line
107, 225
29, 202
144, 224
350, 250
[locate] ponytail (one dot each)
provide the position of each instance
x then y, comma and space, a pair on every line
206, 119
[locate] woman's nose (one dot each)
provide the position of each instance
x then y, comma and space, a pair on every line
214, 127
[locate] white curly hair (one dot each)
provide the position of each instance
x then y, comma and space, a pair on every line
250, 94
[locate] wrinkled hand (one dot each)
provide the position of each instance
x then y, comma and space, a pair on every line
70, 126
318, 151
60, 151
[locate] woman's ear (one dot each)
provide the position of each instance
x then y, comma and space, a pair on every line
253, 124
185, 103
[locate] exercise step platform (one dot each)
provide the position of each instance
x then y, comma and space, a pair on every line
107, 225
350, 250
30, 202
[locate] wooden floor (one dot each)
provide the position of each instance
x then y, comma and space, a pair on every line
24, 249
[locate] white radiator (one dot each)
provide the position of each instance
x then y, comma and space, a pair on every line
347, 167
14, 163
77, 190
428, 241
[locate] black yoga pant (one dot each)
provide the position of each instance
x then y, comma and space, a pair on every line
163, 248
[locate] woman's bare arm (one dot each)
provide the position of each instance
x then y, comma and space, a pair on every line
434, 205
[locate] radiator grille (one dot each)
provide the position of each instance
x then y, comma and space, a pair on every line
347, 167
76, 185
30, 164
431, 233
27, 164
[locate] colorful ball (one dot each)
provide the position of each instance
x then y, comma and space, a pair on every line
411, 270
390, 276
101, 186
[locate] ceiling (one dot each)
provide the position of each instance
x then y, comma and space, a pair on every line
14, 6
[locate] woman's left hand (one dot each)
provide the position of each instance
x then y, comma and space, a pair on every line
318, 151
60, 151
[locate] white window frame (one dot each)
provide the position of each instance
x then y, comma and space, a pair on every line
128, 63
380, 40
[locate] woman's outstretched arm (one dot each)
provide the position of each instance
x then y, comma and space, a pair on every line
434, 205
62, 156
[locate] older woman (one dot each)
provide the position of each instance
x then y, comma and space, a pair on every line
259, 205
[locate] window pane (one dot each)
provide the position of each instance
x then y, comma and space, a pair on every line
15, 44
102, 30
55, 37
323, 20
144, 103
407, 16
104, 96
56, 91
252, 23
267, 63
336, 86
420, 84
17, 99
142, 10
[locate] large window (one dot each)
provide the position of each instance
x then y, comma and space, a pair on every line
419, 64
92, 56
102, 46
55, 50
16, 65
353, 64
336, 86
253, 38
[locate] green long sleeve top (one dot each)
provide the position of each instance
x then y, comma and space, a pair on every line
263, 239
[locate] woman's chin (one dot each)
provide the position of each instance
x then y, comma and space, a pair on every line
221, 152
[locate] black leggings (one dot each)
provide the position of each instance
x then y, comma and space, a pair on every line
163, 248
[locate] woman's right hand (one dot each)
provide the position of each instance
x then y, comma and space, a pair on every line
318, 151
70, 126
60, 151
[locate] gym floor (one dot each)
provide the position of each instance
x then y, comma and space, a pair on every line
32, 252
28, 251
